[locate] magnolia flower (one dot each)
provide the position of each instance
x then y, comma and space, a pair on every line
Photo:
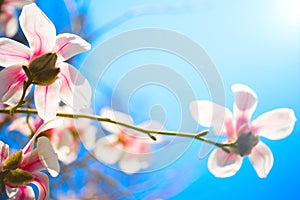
131, 149
243, 134
65, 137
43, 64
24, 167
8, 19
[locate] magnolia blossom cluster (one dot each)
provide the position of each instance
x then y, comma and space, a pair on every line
59, 87
56, 83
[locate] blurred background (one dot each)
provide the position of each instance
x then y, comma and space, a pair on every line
256, 43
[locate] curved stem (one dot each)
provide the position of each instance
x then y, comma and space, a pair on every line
198, 136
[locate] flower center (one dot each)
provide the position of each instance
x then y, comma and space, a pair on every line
245, 144
42, 70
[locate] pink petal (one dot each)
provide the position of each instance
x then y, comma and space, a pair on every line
22, 192
46, 100
38, 29
108, 150
209, 114
11, 87
47, 156
67, 45
4, 151
245, 104
222, 164
114, 115
262, 159
12, 53
42, 183
275, 124
75, 89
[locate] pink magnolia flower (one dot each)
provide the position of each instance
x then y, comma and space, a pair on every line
24, 167
131, 149
274, 125
43, 63
8, 19
65, 137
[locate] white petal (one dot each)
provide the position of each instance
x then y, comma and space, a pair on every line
209, 114
222, 164
48, 156
88, 136
114, 115
275, 124
262, 159
129, 164
106, 150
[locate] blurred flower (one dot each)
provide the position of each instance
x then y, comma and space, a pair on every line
24, 167
64, 138
8, 19
243, 134
43, 64
131, 149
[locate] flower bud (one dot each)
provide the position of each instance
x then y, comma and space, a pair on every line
245, 144
42, 69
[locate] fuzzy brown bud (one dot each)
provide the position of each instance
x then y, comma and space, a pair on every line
42, 70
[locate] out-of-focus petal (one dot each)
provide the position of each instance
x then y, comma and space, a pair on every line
19, 3
222, 164
4, 151
42, 183
262, 159
47, 100
11, 26
75, 89
38, 30
131, 163
47, 156
12, 53
11, 87
88, 136
21, 192
245, 104
67, 45
107, 150
209, 114
114, 115
46, 126
275, 124
20, 124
